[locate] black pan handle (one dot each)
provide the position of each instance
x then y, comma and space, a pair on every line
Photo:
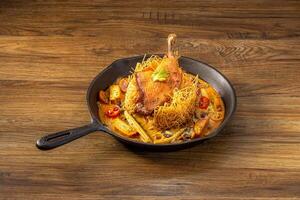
57, 139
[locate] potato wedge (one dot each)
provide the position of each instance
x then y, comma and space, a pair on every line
123, 127
114, 92
200, 125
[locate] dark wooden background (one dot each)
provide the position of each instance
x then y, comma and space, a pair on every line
50, 51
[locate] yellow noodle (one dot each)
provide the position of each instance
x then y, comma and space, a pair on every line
135, 125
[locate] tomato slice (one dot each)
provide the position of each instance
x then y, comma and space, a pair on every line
204, 102
113, 112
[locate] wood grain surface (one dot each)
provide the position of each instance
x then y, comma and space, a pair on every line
51, 50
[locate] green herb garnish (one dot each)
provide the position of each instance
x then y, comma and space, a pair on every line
160, 73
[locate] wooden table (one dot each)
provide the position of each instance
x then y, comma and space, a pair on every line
50, 51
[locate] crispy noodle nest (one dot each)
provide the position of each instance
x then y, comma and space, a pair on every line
179, 111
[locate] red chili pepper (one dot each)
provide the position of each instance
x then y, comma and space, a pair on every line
204, 102
113, 112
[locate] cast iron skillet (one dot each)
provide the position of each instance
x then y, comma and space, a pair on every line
122, 67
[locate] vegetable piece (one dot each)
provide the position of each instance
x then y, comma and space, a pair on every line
211, 92
218, 104
123, 84
123, 127
170, 139
204, 93
114, 92
217, 116
113, 112
204, 102
215, 98
103, 97
200, 125
193, 135
136, 126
